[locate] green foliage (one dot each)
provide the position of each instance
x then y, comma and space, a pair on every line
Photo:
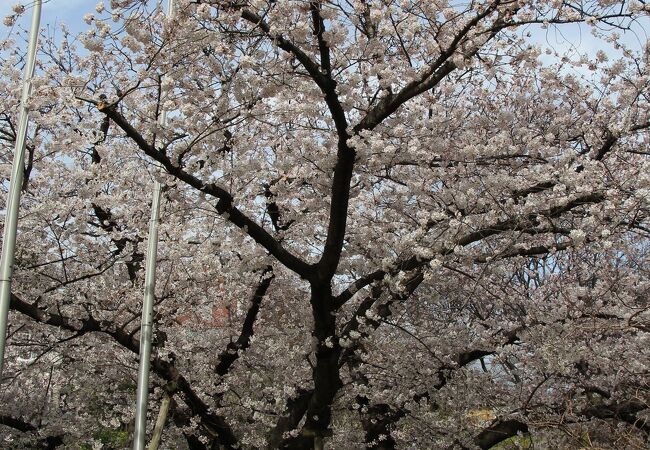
127, 385
111, 439
524, 442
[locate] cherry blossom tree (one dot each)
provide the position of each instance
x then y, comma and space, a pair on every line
386, 224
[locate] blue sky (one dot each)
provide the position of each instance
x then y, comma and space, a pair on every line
561, 39
54, 11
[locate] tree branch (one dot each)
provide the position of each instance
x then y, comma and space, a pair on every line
439, 69
322, 78
319, 29
225, 206
214, 423
498, 432
233, 349
17, 423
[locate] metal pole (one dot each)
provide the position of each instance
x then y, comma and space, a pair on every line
146, 326
16, 183
142, 392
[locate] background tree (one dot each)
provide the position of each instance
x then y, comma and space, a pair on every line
424, 235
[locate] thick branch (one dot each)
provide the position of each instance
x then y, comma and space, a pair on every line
514, 224
322, 78
356, 286
233, 349
345, 155
319, 29
625, 411
17, 423
520, 224
439, 69
296, 409
216, 424
338, 213
499, 432
225, 204
107, 222
391, 103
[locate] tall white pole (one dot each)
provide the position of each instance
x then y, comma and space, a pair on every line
146, 328
16, 183
142, 392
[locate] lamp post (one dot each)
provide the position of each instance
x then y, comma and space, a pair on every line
16, 182
146, 327
146, 330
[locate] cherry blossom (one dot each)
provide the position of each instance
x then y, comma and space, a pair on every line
385, 224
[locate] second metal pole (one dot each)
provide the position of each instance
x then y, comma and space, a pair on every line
142, 392
146, 328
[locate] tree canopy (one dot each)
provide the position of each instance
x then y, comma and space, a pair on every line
386, 224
